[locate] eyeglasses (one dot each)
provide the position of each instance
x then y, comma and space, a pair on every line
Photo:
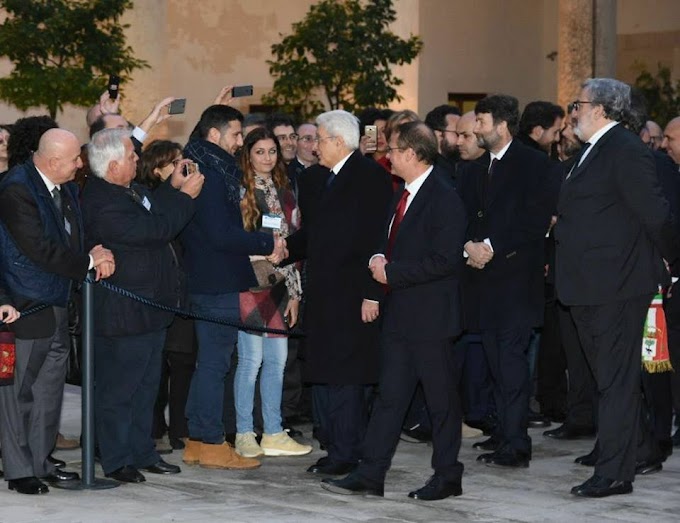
307, 138
390, 149
575, 105
287, 137
319, 140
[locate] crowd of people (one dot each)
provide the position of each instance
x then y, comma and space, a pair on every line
456, 275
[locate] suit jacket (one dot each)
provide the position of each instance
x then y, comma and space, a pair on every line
146, 264
338, 238
513, 210
613, 225
45, 244
426, 267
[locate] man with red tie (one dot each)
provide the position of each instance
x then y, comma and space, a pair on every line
420, 264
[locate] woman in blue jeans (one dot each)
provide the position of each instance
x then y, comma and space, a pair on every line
267, 205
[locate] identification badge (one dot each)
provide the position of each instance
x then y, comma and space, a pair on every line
146, 203
67, 226
271, 221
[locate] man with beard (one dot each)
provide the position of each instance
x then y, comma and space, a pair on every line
539, 126
613, 227
442, 120
508, 214
283, 128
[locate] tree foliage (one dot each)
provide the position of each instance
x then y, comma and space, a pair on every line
341, 53
663, 98
63, 51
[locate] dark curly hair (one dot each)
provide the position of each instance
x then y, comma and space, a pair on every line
25, 137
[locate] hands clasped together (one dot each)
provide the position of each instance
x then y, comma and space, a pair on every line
479, 254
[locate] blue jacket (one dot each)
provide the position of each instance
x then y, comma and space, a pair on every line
216, 245
45, 278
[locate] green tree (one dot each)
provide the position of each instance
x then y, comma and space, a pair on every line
63, 51
342, 53
663, 98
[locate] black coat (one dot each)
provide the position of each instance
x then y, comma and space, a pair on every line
514, 213
140, 241
426, 266
338, 237
613, 225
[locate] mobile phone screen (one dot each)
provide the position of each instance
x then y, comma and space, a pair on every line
242, 90
178, 106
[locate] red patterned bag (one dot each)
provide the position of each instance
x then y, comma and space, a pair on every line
7, 357
655, 355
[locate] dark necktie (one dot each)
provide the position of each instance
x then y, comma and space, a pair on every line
56, 196
492, 167
577, 159
331, 179
398, 217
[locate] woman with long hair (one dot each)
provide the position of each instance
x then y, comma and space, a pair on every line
267, 204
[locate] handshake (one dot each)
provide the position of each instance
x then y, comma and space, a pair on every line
280, 251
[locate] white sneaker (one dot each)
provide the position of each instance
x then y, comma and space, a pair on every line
281, 444
246, 445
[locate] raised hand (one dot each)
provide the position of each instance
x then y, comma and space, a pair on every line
193, 184
157, 115
108, 105
224, 97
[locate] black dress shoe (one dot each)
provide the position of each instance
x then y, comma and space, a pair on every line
416, 435
589, 459
556, 415
28, 485
56, 462
599, 487
330, 468
162, 467
508, 460
568, 432
643, 468
537, 421
437, 487
492, 443
127, 474
59, 476
484, 458
352, 485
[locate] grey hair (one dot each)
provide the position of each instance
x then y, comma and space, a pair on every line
341, 124
612, 95
106, 146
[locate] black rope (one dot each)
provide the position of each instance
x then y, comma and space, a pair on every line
28, 312
186, 314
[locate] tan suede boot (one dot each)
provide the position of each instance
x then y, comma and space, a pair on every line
192, 452
224, 457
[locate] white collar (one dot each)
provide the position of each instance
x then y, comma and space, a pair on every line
48, 183
499, 155
336, 168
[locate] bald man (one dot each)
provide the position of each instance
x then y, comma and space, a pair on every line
671, 139
41, 256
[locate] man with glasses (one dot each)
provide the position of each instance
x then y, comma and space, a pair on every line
613, 227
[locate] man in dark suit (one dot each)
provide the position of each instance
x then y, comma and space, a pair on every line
508, 208
129, 336
421, 318
613, 227
41, 239
337, 238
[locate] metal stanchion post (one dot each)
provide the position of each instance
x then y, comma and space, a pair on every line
88, 481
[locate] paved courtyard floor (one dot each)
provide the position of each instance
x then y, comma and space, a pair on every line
282, 491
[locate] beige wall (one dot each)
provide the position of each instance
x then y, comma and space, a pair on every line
195, 47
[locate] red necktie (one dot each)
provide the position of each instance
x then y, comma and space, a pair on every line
398, 217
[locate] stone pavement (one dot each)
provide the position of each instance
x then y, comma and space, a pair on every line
282, 491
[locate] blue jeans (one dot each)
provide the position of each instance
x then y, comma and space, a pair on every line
205, 404
269, 353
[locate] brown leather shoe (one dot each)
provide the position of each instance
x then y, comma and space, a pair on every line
192, 452
66, 444
223, 456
